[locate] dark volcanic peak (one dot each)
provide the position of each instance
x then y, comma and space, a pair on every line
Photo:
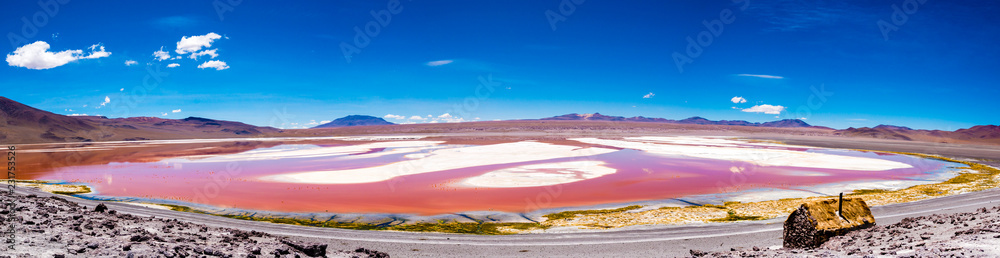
198, 119
354, 120
786, 123
695, 120
691, 120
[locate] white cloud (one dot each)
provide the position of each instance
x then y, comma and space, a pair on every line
649, 95
37, 56
175, 111
387, 116
163, 114
94, 53
218, 65
439, 62
325, 121
417, 118
738, 100
77, 115
130, 62
452, 120
173, 65
766, 109
210, 52
445, 115
106, 101
161, 55
123, 89
761, 76
194, 43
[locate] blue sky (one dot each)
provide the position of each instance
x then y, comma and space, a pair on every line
834, 63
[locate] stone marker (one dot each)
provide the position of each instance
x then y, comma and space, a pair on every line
816, 222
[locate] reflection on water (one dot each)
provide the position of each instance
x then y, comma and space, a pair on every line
227, 174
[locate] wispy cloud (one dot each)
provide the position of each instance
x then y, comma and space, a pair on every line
95, 53
738, 100
209, 52
391, 116
793, 15
765, 76
439, 62
766, 109
161, 55
648, 95
443, 118
106, 101
173, 65
175, 111
130, 62
218, 65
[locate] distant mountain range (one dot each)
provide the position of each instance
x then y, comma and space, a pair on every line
979, 133
692, 120
355, 120
20, 123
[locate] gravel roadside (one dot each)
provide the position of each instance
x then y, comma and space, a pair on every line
56, 227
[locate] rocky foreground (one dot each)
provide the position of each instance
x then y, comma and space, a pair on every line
55, 227
973, 234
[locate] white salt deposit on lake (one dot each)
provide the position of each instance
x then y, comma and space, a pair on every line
758, 156
540, 175
443, 159
313, 151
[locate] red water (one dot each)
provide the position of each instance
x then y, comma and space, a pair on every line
640, 177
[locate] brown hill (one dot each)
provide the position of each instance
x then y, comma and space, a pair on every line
20, 123
983, 134
979, 132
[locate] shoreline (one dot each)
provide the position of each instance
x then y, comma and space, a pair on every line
600, 219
